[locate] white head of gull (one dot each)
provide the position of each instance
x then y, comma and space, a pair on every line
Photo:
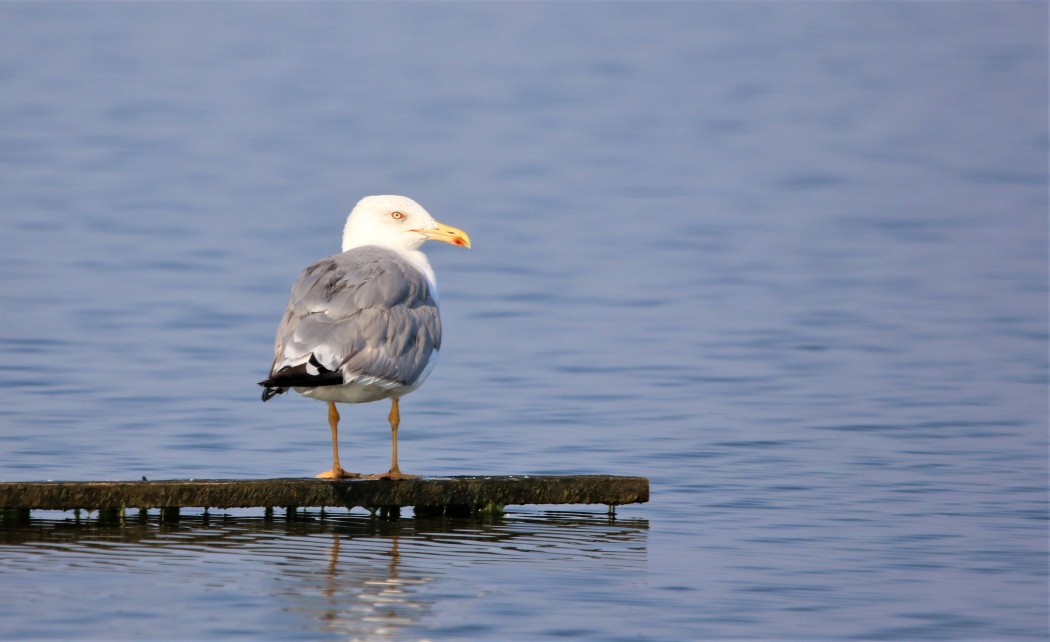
364, 325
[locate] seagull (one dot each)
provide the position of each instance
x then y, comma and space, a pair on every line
363, 325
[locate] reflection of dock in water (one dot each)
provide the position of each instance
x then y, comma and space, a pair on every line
351, 576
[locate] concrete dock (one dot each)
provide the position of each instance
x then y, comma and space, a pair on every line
462, 495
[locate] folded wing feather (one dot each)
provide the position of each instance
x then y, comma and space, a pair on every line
363, 316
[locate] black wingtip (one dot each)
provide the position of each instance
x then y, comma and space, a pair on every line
271, 390
306, 375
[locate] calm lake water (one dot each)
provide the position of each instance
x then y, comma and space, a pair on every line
789, 261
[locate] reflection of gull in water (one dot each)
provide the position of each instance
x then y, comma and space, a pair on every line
385, 603
362, 591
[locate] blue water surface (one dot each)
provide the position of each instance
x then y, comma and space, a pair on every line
787, 260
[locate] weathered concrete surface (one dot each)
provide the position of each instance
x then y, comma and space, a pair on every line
434, 495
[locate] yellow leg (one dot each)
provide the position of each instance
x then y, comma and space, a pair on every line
337, 471
395, 421
333, 422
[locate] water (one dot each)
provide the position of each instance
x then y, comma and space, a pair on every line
347, 577
789, 261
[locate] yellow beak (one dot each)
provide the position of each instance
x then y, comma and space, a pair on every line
447, 234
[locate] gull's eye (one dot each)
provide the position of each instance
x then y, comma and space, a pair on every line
397, 216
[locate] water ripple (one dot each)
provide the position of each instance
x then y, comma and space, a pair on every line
354, 575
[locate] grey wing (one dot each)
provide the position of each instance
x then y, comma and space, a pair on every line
366, 314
